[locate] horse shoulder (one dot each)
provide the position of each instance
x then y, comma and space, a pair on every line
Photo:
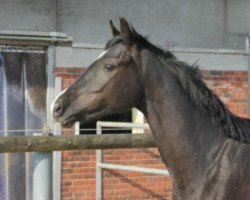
228, 177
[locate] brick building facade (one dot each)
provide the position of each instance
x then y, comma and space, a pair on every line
79, 167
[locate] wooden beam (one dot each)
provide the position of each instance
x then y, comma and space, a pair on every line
12, 144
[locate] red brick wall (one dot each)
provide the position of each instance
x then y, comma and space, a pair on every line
231, 87
78, 167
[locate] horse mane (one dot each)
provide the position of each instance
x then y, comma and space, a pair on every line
190, 80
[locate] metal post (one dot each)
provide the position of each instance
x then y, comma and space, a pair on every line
42, 175
247, 43
51, 55
57, 155
98, 169
42, 162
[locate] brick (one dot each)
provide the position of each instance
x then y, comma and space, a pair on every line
66, 195
215, 73
229, 73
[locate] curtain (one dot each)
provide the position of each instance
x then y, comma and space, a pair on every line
23, 83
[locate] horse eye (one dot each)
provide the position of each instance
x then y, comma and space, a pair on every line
109, 67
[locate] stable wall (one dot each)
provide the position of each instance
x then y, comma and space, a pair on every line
189, 23
28, 15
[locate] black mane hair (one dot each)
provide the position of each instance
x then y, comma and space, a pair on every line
143, 42
190, 80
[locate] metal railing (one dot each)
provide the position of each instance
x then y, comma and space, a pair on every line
100, 165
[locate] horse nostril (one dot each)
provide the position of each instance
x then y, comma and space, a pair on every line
57, 109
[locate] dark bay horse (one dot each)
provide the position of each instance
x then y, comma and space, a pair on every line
202, 142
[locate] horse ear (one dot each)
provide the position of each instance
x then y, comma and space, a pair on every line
125, 30
114, 31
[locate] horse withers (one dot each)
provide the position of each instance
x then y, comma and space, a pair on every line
202, 142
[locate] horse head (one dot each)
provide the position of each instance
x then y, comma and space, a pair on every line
110, 84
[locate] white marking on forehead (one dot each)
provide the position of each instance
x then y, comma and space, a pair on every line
54, 101
102, 54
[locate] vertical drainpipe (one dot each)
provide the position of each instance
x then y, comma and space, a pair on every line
42, 161
248, 69
98, 169
42, 175
57, 155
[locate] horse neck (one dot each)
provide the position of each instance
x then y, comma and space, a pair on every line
184, 134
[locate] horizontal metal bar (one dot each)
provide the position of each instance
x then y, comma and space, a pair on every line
76, 142
88, 46
208, 51
33, 38
21, 130
20, 51
133, 168
122, 124
174, 49
33, 33
68, 129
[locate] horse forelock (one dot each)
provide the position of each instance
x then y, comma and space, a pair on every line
116, 40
